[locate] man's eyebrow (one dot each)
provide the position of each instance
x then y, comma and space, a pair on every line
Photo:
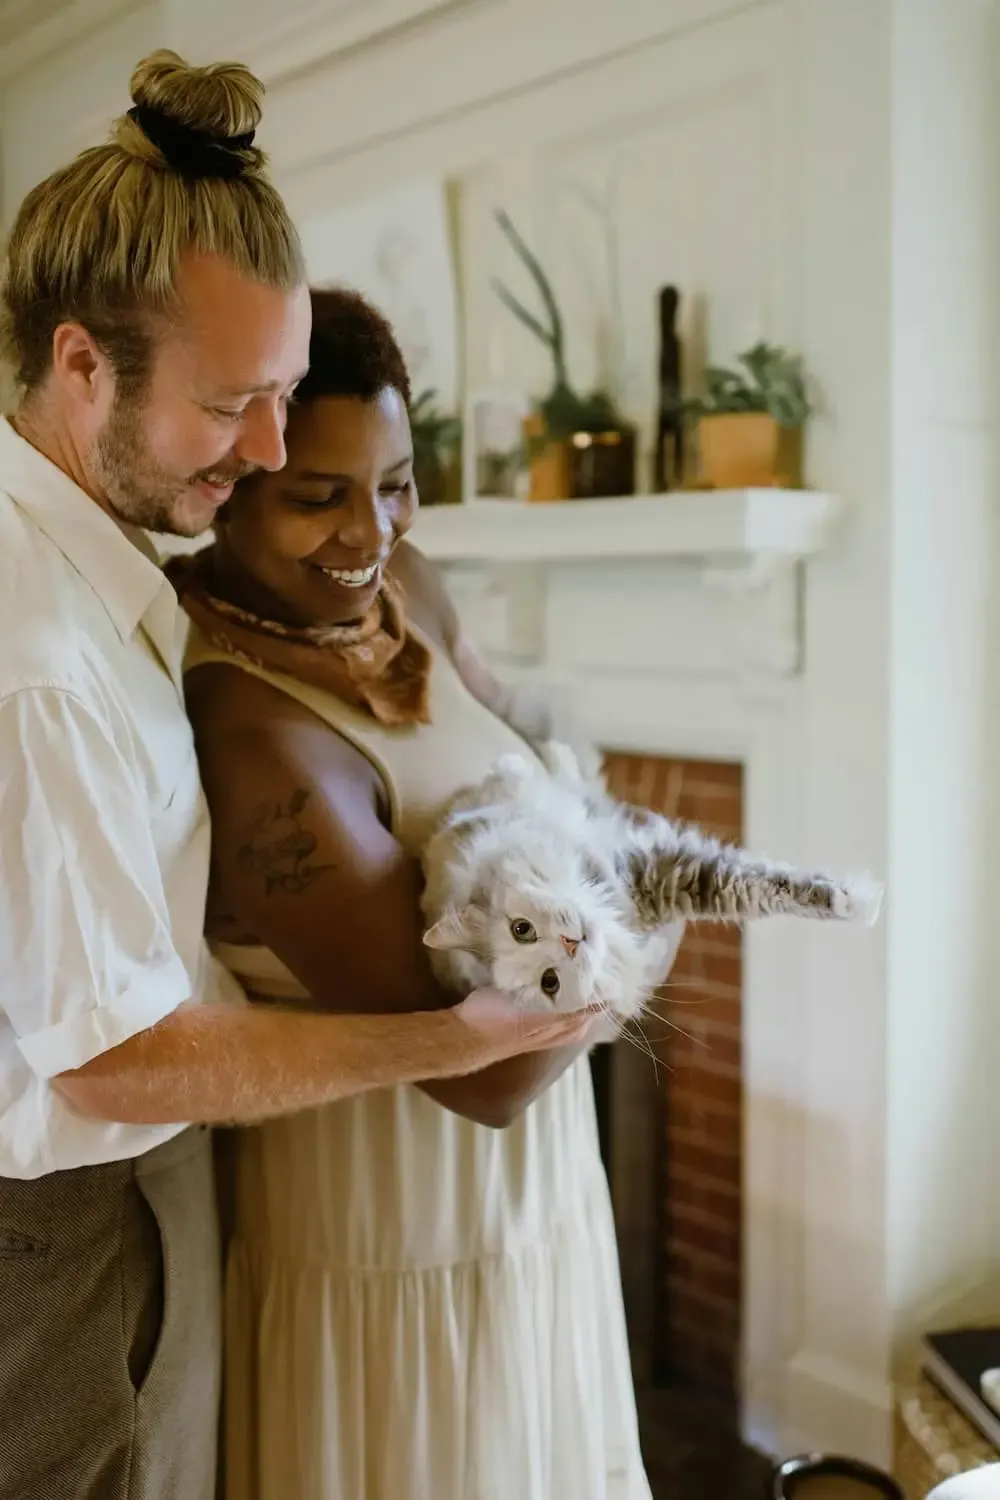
262, 390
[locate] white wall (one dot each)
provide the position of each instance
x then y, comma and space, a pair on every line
943, 1023
821, 172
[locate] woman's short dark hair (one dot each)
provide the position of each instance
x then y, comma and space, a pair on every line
352, 351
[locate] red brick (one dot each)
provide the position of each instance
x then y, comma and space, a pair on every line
721, 1166
723, 968
717, 1315
687, 1226
678, 1172
719, 1057
695, 1028
698, 1104
701, 1267
723, 1131
721, 1205
681, 1216
716, 1086
715, 937
711, 807
684, 1113
718, 772
701, 1369
721, 1278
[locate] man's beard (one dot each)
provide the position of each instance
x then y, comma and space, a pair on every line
136, 488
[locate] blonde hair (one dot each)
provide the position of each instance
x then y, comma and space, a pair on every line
99, 241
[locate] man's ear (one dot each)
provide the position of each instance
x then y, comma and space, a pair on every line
78, 365
462, 928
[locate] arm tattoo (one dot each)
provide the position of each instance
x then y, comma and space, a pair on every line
277, 846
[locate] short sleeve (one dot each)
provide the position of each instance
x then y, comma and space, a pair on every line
85, 944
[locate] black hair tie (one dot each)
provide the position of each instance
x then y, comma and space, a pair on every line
188, 150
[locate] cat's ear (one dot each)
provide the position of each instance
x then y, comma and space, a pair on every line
462, 927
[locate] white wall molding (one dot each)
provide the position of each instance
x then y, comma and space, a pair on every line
51, 27
527, 70
306, 35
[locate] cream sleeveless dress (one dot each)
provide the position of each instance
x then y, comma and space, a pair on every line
417, 1307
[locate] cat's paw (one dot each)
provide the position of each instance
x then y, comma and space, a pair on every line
858, 899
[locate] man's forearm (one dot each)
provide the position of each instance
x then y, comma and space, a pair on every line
217, 1064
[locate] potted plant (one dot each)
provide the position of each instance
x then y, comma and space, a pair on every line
435, 445
578, 446
750, 420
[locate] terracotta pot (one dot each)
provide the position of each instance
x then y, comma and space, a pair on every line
550, 473
741, 450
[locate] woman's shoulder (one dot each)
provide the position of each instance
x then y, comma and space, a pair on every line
241, 719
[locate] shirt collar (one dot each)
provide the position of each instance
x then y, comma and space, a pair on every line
118, 566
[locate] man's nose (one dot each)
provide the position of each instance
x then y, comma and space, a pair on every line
262, 439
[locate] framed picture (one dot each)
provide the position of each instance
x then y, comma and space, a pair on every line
396, 249
493, 456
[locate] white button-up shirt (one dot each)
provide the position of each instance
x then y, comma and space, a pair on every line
104, 833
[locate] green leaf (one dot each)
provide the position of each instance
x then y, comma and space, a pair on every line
435, 434
555, 336
520, 311
771, 380
535, 270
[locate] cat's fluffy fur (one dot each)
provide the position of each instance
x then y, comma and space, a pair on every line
540, 883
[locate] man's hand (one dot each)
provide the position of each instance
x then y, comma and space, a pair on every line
494, 1028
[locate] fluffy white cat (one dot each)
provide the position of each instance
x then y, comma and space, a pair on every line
540, 883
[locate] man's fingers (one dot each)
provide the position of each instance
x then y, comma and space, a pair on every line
562, 1031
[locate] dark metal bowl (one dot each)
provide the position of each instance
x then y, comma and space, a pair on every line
787, 1476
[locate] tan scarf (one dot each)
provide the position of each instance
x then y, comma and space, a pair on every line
376, 664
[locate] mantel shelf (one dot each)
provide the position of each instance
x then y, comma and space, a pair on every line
759, 527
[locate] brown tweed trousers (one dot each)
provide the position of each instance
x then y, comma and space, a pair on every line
110, 1329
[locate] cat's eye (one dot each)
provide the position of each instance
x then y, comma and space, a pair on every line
522, 931
550, 983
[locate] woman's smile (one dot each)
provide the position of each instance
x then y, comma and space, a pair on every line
352, 578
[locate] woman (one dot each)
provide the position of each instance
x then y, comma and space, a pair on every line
419, 1306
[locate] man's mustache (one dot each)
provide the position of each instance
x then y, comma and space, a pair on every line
227, 475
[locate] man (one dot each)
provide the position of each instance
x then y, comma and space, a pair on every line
155, 312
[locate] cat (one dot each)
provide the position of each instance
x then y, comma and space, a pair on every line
539, 883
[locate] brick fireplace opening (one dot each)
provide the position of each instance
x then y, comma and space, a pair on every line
672, 1134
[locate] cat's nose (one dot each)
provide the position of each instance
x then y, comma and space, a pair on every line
571, 945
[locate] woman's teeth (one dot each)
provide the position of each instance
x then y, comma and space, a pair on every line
352, 578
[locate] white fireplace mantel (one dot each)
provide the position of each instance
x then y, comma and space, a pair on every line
756, 526
703, 582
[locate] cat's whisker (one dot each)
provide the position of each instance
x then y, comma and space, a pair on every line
688, 1000
641, 1043
689, 1036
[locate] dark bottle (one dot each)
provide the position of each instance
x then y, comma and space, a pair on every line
668, 460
